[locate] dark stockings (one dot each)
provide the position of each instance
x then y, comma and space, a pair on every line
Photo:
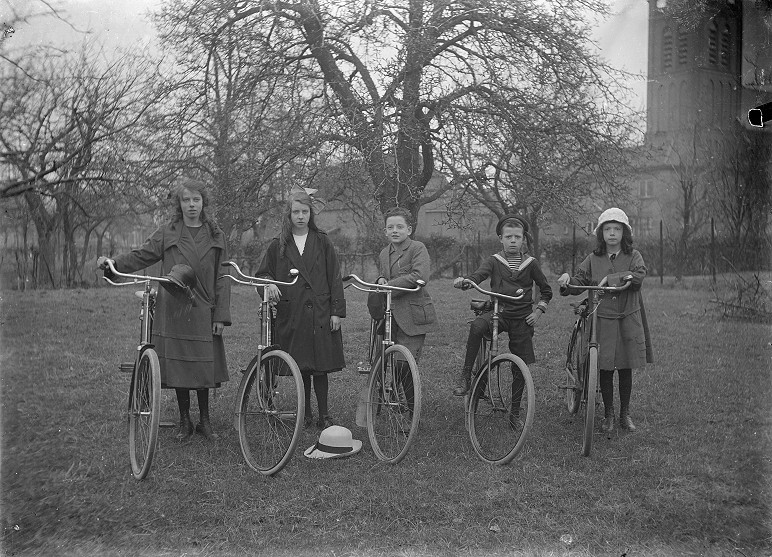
625, 388
183, 401
203, 404
321, 388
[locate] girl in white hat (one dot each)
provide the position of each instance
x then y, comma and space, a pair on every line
623, 334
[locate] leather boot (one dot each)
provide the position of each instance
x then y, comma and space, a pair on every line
185, 431
608, 422
625, 421
204, 427
461, 386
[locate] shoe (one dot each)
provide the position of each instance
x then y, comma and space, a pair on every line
626, 422
308, 421
325, 422
608, 420
185, 432
462, 383
205, 428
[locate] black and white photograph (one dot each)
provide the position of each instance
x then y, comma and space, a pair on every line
386, 278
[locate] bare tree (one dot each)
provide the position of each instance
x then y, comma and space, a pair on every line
393, 75
64, 123
239, 118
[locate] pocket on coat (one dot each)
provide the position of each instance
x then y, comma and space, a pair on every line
423, 312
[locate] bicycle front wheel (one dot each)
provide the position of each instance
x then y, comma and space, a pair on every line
590, 387
144, 413
575, 359
394, 404
501, 409
270, 412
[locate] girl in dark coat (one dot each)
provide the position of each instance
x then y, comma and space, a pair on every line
308, 313
623, 333
188, 340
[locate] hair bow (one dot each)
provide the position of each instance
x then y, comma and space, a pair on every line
317, 204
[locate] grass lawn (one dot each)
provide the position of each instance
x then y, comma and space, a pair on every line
693, 480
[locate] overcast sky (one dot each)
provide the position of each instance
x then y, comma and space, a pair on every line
124, 23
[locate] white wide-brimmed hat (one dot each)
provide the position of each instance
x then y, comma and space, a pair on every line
334, 442
614, 214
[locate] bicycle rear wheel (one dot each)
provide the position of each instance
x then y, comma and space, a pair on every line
575, 359
501, 409
394, 404
270, 412
590, 387
144, 413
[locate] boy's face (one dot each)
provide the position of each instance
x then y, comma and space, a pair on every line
612, 235
512, 239
397, 230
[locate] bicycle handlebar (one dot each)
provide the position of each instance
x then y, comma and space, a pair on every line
257, 281
134, 278
628, 281
474, 285
373, 287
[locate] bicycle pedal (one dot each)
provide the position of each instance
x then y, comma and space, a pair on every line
364, 370
126, 367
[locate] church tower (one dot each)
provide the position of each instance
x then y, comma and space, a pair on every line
694, 71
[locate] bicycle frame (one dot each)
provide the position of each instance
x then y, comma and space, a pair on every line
492, 348
500, 405
393, 406
383, 289
266, 311
269, 408
145, 391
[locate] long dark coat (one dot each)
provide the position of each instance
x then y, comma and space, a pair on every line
303, 313
623, 333
191, 356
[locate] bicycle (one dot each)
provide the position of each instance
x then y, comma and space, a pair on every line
394, 388
500, 407
144, 408
582, 359
270, 404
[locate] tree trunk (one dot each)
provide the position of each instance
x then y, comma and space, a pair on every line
45, 270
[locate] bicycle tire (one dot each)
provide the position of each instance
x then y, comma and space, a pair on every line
591, 386
575, 359
496, 432
271, 409
144, 413
392, 417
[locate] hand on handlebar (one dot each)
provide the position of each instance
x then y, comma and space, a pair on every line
563, 280
102, 262
272, 293
462, 283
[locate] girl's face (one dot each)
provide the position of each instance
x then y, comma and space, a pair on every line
612, 235
300, 215
512, 239
191, 203
397, 230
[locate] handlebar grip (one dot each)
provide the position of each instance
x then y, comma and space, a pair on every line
347, 277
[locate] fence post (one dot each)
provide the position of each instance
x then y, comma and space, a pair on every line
713, 248
661, 255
